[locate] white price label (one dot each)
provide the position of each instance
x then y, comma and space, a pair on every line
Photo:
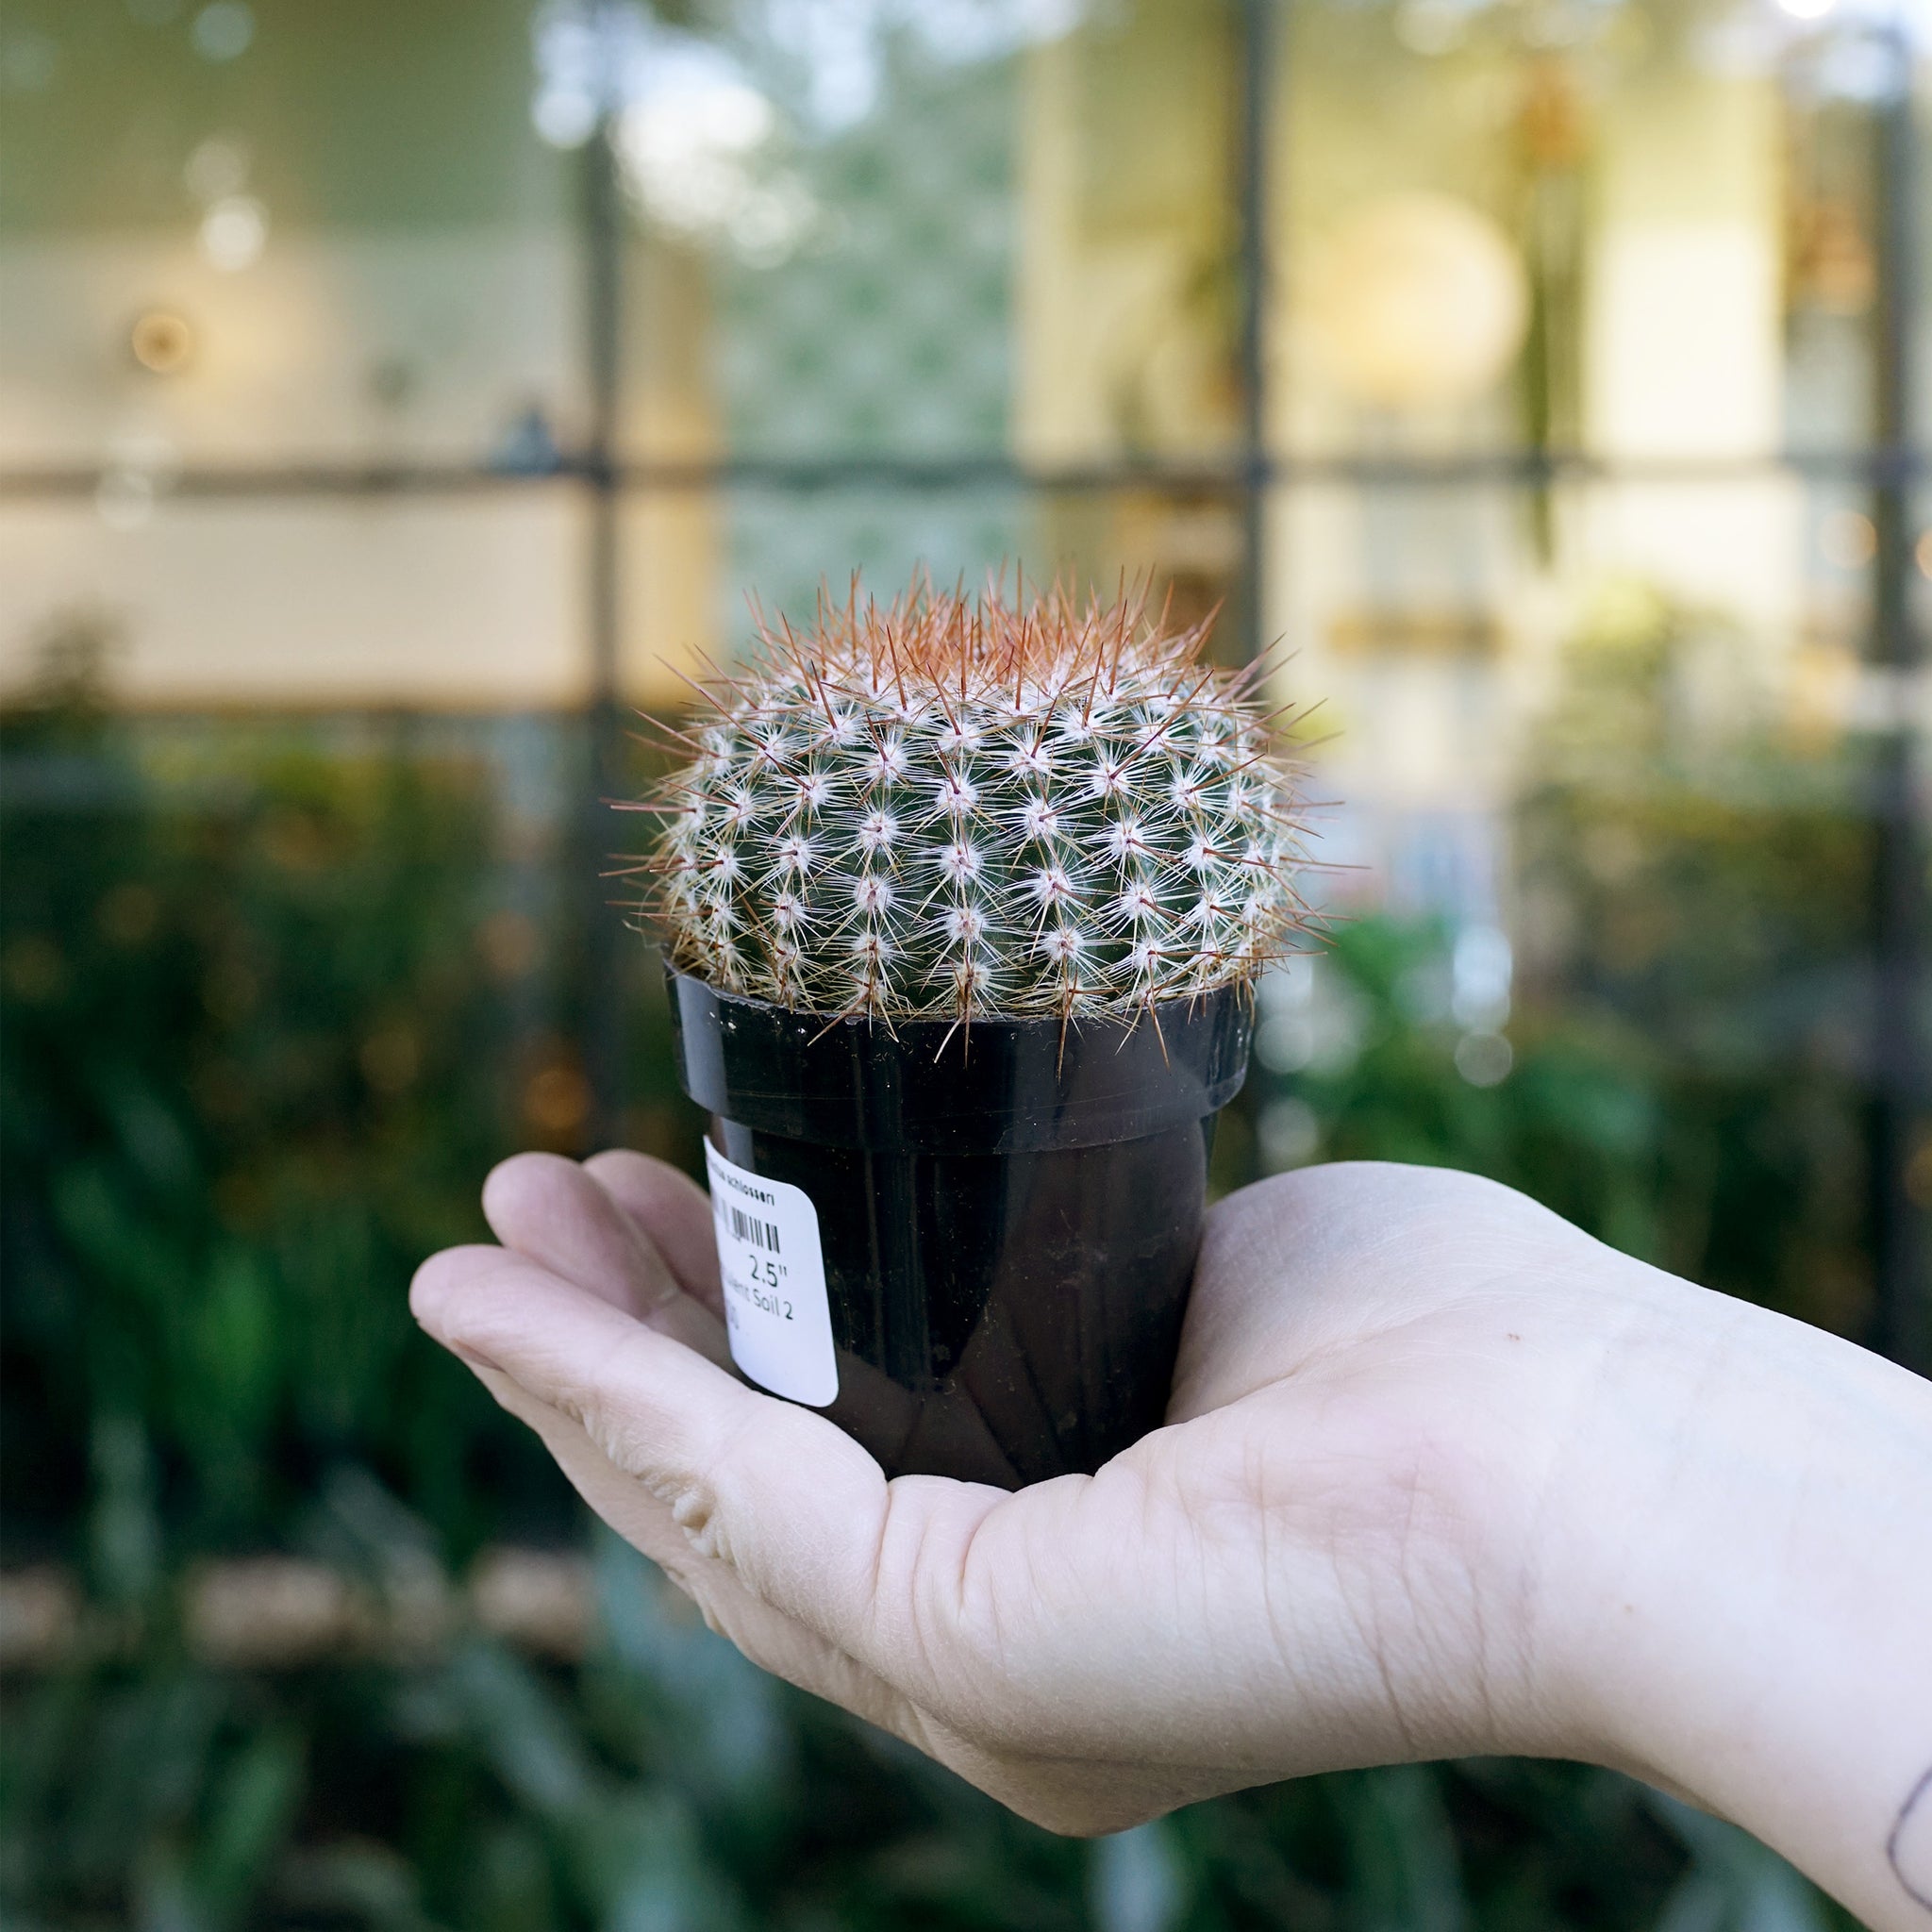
774, 1272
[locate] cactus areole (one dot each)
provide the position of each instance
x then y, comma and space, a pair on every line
960, 810
961, 902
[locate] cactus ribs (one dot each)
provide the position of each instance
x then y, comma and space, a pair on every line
965, 808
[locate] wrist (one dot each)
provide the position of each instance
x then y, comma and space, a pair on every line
1744, 1578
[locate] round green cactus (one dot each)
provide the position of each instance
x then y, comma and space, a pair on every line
960, 809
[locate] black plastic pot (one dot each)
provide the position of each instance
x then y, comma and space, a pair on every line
1007, 1219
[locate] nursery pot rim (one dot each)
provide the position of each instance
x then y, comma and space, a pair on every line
1001, 1086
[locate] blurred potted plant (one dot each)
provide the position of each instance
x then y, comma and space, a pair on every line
962, 903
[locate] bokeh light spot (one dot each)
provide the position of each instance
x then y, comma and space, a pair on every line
556, 1101
162, 342
1484, 1059
222, 31
234, 232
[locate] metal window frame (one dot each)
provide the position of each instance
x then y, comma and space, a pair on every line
1888, 466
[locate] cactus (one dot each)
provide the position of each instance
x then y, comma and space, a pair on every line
963, 809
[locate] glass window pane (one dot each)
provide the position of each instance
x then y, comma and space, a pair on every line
459, 602
1644, 231
694, 562
261, 234
971, 235
1607, 851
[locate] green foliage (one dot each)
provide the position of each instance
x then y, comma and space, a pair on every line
667, 1783
1748, 1178
1696, 886
250, 1069
1684, 1074
265, 1026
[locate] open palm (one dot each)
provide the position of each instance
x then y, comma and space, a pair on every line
1324, 1559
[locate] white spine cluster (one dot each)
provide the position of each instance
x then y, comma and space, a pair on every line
953, 809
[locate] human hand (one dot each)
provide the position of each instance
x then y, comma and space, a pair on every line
1441, 1476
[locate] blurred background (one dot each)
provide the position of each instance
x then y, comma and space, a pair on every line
396, 396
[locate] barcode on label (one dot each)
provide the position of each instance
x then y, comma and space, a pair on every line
761, 1234
777, 1315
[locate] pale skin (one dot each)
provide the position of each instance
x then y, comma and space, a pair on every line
1442, 1476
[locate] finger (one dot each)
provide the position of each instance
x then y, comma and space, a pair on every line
1072, 1795
548, 1207
800, 1512
1075, 1795
657, 1411
673, 1210
772, 1640
1020, 1625
634, 1508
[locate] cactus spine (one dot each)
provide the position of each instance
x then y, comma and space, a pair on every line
955, 809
